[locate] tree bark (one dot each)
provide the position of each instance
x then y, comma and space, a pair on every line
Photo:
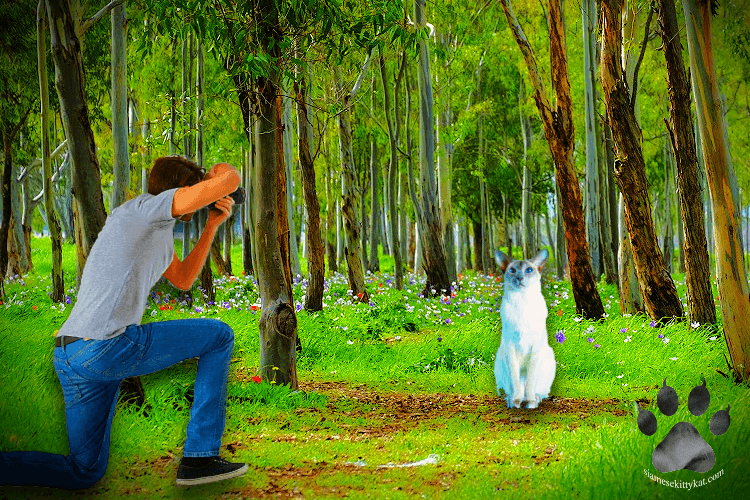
655, 283
732, 281
315, 250
593, 188
700, 302
428, 211
278, 321
350, 200
558, 127
88, 203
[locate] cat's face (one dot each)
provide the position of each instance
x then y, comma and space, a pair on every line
520, 274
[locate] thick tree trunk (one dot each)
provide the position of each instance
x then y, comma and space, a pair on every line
88, 204
700, 302
278, 321
656, 285
315, 250
58, 284
558, 127
732, 281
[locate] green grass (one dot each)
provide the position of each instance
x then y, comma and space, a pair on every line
389, 383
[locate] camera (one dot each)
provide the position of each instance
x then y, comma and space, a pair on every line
238, 196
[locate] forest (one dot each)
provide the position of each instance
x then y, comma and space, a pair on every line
396, 145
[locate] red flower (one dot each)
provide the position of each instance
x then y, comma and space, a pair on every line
254, 307
34, 307
257, 379
359, 295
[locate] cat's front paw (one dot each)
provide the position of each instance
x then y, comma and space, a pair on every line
534, 403
513, 402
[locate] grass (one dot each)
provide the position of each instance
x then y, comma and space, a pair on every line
388, 384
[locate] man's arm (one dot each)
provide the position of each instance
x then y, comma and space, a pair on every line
182, 274
219, 182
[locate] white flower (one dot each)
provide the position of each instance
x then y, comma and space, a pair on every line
397, 337
713, 338
628, 338
350, 342
665, 340
590, 329
577, 319
621, 375
624, 385
695, 324
673, 359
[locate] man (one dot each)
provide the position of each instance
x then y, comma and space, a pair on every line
103, 342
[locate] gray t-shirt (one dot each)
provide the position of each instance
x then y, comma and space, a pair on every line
133, 249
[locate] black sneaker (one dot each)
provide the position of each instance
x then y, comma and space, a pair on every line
202, 470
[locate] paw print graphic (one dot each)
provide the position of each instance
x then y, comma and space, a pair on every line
683, 447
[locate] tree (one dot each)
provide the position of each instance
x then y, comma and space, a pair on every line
558, 127
730, 270
350, 196
88, 203
121, 160
656, 285
17, 95
58, 284
700, 302
427, 210
315, 250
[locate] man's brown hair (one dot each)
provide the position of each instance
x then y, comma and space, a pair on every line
173, 172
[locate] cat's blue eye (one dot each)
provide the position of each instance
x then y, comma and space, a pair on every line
528, 270
512, 270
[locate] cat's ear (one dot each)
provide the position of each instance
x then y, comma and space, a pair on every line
502, 260
541, 259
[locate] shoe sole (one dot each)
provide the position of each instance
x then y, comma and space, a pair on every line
212, 479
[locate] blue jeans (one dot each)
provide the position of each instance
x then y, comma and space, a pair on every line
90, 373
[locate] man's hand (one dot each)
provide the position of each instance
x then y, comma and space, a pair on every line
222, 211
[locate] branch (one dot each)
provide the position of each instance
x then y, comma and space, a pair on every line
59, 149
640, 58
105, 10
362, 75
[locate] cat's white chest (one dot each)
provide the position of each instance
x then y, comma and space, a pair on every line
524, 318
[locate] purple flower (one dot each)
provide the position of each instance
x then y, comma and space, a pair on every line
198, 309
448, 321
299, 307
661, 335
440, 339
623, 330
652, 324
597, 346
560, 336
67, 299
590, 340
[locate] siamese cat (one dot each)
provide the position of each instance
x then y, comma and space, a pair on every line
524, 363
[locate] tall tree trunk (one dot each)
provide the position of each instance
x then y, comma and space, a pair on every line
315, 250
428, 211
351, 201
278, 321
331, 219
121, 156
288, 134
58, 284
656, 285
373, 264
700, 303
88, 203
593, 194
732, 281
394, 128
668, 194
558, 127
527, 240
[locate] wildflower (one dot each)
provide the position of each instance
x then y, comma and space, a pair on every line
695, 324
620, 375
560, 336
198, 309
448, 321
713, 338
35, 307
440, 339
257, 379
666, 340
299, 307
661, 335
623, 330
652, 324
67, 299
590, 340
673, 359
597, 346
350, 342
628, 338
590, 329
577, 319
